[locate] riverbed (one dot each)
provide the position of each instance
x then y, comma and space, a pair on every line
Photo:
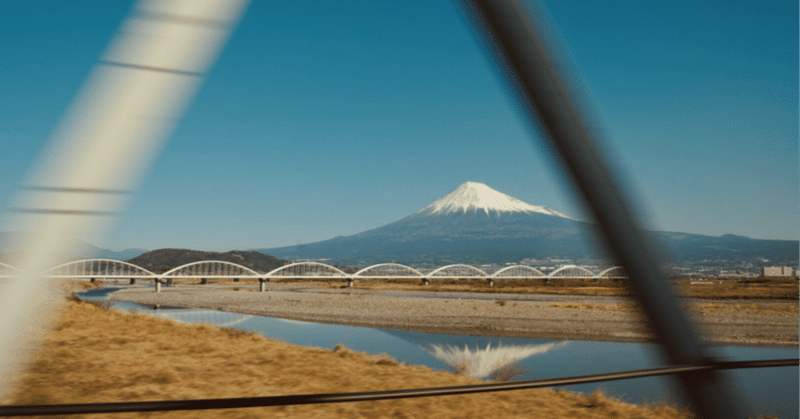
772, 392
760, 323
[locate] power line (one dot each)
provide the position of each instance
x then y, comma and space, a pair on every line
301, 399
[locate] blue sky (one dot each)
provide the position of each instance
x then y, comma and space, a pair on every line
323, 119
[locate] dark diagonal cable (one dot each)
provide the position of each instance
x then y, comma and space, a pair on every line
205, 404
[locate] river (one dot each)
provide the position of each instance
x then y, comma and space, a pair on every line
770, 392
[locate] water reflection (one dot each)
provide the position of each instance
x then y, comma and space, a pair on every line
772, 391
481, 363
209, 317
477, 357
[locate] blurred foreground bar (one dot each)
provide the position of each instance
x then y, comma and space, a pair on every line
105, 142
519, 43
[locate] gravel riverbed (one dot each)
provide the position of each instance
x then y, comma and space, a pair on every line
729, 322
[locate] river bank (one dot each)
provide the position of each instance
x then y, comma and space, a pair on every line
98, 355
727, 322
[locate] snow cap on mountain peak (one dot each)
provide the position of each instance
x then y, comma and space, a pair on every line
474, 196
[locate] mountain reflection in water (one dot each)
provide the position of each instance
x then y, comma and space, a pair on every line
458, 353
481, 363
771, 392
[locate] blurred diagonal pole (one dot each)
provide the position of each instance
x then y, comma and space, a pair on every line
96, 157
520, 46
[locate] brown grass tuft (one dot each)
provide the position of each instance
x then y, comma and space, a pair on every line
751, 288
629, 307
509, 373
738, 308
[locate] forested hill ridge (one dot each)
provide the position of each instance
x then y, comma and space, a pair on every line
162, 260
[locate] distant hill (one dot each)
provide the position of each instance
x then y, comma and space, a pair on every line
162, 260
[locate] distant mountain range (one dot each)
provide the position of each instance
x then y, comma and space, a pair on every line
472, 224
477, 224
12, 242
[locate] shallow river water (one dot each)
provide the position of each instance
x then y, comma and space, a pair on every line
770, 392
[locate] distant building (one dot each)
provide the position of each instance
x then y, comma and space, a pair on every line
735, 274
777, 271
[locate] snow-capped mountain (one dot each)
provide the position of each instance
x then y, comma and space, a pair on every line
471, 223
474, 197
477, 224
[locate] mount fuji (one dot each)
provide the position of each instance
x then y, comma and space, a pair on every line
477, 224
477, 197
473, 223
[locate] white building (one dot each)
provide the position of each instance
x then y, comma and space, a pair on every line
777, 271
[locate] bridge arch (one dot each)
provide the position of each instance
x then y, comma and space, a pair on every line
98, 268
519, 272
610, 272
307, 270
458, 271
210, 269
571, 271
388, 270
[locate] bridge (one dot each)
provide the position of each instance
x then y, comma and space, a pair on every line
108, 269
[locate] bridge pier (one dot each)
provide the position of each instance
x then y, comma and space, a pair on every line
158, 286
262, 285
169, 282
490, 281
235, 279
133, 281
425, 281
203, 281
92, 280
349, 282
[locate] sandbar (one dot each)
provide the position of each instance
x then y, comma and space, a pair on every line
536, 316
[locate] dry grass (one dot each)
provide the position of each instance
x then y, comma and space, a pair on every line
508, 373
80, 285
533, 286
97, 355
753, 288
628, 307
703, 308
739, 308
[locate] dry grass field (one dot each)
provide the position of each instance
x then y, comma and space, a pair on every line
99, 355
750, 288
701, 307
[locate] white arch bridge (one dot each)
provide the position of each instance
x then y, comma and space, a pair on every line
107, 269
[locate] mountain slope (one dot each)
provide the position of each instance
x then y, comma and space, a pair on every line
457, 238
473, 223
476, 224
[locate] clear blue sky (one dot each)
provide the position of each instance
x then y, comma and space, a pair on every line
329, 118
